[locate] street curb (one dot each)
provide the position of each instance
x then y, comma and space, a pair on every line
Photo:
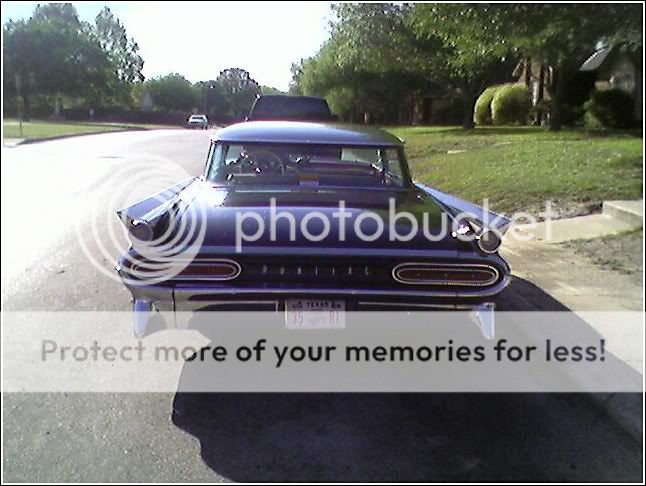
27, 141
629, 211
626, 409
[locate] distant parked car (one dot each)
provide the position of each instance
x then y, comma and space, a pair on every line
290, 108
197, 121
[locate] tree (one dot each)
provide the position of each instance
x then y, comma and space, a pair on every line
382, 56
64, 13
369, 66
295, 83
270, 90
238, 90
123, 51
473, 50
372, 59
173, 92
53, 54
211, 99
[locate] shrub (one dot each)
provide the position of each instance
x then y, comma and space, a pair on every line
511, 104
571, 115
608, 109
482, 111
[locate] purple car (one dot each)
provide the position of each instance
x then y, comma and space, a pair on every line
292, 215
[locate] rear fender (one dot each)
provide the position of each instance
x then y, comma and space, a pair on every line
481, 217
142, 218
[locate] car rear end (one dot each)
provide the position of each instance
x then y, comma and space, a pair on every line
200, 122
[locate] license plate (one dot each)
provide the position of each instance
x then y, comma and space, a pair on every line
314, 314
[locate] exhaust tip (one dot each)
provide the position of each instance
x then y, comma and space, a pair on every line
141, 230
489, 241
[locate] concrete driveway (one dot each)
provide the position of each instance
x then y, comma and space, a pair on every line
48, 188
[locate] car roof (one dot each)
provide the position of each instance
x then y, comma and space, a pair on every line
291, 97
305, 133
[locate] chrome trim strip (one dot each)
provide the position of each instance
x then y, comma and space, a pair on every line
187, 291
333, 251
203, 303
415, 304
237, 270
457, 266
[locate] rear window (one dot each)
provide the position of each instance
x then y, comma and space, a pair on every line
290, 108
306, 165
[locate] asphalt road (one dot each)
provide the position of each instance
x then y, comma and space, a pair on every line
50, 191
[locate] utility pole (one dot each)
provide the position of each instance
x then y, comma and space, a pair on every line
20, 105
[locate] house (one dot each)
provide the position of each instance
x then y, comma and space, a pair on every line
606, 68
614, 68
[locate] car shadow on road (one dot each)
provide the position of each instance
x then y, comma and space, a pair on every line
256, 437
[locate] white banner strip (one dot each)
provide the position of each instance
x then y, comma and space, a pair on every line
323, 351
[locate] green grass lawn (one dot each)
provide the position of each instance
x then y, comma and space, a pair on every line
42, 129
518, 168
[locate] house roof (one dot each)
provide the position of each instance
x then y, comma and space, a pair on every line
595, 61
305, 133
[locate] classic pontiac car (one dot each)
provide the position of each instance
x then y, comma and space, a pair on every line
296, 175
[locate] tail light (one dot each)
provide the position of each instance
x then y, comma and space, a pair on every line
476, 275
217, 270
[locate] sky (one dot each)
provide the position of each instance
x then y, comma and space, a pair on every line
199, 39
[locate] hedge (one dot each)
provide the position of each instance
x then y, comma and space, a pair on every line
511, 104
482, 111
608, 109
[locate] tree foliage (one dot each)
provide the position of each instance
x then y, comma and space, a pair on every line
370, 63
230, 95
270, 90
380, 55
173, 92
473, 52
237, 90
54, 54
122, 50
